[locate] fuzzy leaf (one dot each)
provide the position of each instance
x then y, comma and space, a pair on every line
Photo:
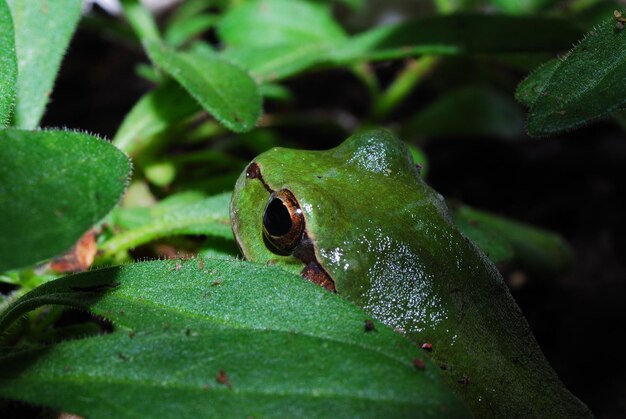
8, 63
43, 29
223, 89
185, 213
529, 90
220, 338
586, 85
54, 185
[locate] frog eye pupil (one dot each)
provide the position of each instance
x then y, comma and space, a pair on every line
276, 218
283, 222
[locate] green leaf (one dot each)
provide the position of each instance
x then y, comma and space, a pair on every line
54, 185
586, 85
184, 214
529, 90
275, 39
181, 32
220, 338
156, 111
8, 64
459, 34
533, 249
475, 110
279, 22
223, 89
276, 62
521, 6
43, 30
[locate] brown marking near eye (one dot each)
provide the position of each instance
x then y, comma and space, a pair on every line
253, 171
369, 325
316, 274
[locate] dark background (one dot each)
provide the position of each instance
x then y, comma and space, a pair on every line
572, 184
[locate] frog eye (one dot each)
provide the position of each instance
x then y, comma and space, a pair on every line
283, 222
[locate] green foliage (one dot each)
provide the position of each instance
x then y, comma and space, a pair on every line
156, 111
43, 30
504, 240
585, 85
458, 34
477, 111
286, 347
55, 185
279, 22
521, 6
223, 89
220, 338
8, 63
186, 213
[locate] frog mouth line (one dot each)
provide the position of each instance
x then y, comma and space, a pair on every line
304, 250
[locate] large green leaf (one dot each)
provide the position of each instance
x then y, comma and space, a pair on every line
54, 185
156, 111
585, 85
226, 91
8, 63
186, 213
43, 29
220, 338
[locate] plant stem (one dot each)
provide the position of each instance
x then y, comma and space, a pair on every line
141, 20
412, 74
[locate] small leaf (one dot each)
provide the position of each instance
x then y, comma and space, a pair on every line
156, 111
458, 34
8, 64
531, 248
175, 215
181, 32
43, 30
476, 110
220, 338
529, 90
521, 6
54, 186
276, 62
223, 89
279, 22
586, 85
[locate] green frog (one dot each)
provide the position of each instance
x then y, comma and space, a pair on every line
360, 221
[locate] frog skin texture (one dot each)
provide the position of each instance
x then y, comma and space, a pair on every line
359, 220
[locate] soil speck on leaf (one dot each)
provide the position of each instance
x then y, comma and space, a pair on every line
222, 378
419, 364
